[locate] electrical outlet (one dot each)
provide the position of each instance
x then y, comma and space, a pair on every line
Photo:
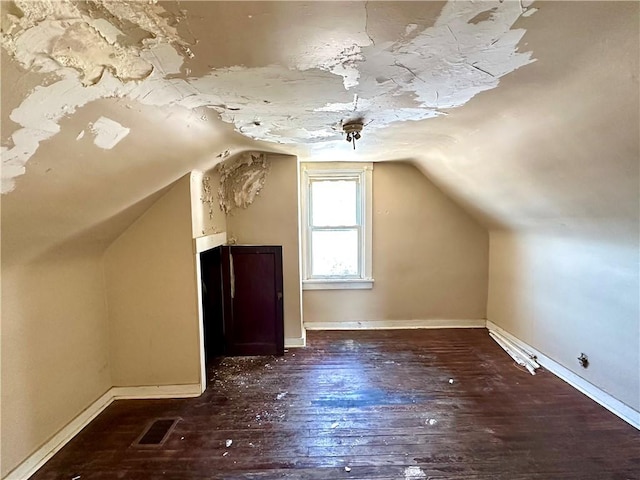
583, 360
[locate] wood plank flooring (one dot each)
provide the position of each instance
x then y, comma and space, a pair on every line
401, 404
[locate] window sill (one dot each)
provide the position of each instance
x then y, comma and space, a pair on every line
345, 284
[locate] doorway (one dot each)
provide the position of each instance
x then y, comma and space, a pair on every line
242, 296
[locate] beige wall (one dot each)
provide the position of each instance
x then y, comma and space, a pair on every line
430, 258
151, 291
54, 349
272, 219
568, 295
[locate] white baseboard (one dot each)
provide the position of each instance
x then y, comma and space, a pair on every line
397, 324
295, 342
615, 406
29, 466
157, 391
38, 458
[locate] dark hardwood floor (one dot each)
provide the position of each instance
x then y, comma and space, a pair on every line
403, 404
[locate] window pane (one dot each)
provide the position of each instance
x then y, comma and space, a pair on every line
333, 203
334, 253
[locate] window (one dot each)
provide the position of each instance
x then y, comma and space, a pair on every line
336, 225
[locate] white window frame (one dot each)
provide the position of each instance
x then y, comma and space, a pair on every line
363, 173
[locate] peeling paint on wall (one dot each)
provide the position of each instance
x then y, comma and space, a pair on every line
132, 50
207, 219
241, 179
207, 198
108, 133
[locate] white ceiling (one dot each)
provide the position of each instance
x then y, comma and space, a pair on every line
526, 114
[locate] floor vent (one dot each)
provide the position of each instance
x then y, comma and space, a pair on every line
156, 433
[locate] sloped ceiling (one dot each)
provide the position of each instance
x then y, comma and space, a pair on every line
525, 113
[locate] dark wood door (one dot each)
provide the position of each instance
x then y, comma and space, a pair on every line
212, 302
253, 304
243, 301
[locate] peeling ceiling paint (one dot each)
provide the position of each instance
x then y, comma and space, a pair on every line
554, 147
133, 50
108, 133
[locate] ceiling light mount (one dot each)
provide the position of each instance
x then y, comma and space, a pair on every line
352, 131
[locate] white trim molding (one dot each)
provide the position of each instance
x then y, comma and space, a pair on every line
519, 355
295, 342
615, 406
202, 244
345, 284
189, 390
38, 458
396, 324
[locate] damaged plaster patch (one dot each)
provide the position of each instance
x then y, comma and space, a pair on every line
52, 34
82, 48
241, 179
108, 133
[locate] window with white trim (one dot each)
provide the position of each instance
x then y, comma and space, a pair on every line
336, 201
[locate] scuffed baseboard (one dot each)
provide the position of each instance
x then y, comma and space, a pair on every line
397, 324
38, 458
615, 406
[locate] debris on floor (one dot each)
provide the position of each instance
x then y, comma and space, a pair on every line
280, 396
411, 473
335, 424
431, 421
451, 380
228, 443
347, 469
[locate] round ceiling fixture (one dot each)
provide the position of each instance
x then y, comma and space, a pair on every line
352, 131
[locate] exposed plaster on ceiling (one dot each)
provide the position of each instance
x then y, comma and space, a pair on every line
132, 50
241, 179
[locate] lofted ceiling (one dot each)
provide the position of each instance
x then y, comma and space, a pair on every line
525, 113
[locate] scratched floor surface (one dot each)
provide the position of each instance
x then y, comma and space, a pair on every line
419, 404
